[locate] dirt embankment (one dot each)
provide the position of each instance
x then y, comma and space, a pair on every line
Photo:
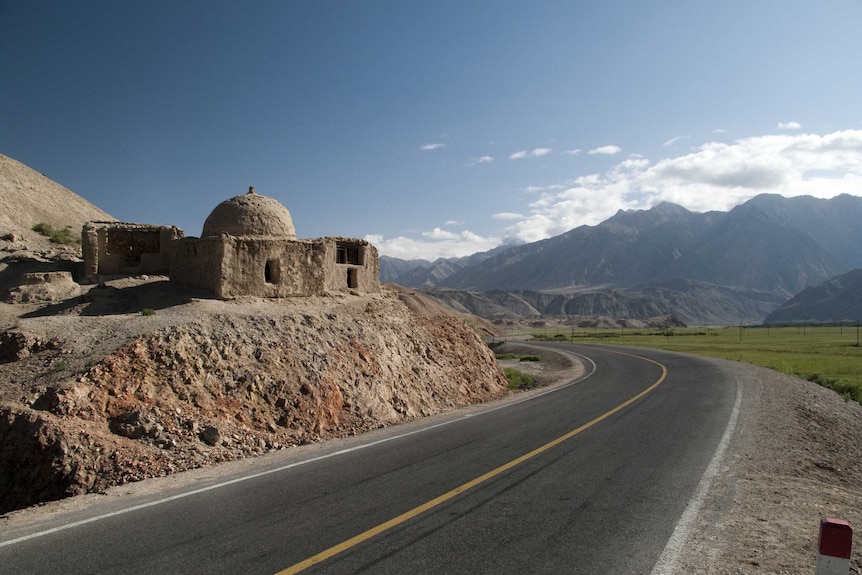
91, 401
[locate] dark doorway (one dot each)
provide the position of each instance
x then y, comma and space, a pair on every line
272, 272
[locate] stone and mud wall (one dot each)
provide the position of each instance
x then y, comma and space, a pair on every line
119, 248
232, 267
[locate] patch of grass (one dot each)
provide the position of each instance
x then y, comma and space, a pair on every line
847, 390
518, 380
518, 357
829, 355
59, 365
148, 311
63, 236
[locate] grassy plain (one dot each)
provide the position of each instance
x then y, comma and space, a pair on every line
828, 355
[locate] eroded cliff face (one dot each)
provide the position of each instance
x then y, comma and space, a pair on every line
223, 381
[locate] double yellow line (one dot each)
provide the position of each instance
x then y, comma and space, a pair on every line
395, 521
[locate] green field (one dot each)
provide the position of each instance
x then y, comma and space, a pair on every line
828, 355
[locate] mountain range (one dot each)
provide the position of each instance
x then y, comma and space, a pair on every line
836, 300
772, 258
713, 267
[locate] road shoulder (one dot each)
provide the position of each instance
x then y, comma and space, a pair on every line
792, 459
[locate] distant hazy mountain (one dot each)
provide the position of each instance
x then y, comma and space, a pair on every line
756, 255
422, 273
838, 299
691, 302
391, 269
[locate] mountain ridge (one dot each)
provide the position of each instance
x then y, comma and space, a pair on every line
28, 197
756, 256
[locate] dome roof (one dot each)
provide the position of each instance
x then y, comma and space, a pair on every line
250, 215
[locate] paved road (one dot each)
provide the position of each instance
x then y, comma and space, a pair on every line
604, 498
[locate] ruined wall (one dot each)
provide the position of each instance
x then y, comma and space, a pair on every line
196, 263
119, 248
270, 267
350, 264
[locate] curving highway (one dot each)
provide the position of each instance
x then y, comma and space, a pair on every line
588, 477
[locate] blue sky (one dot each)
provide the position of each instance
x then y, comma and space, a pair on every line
434, 129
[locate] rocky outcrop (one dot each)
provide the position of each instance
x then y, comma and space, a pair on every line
239, 380
44, 287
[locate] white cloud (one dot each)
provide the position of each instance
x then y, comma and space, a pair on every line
606, 150
435, 244
534, 189
482, 160
575, 152
504, 216
674, 140
789, 125
534, 153
714, 176
439, 234
432, 146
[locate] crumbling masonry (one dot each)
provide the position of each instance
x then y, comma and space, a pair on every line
248, 247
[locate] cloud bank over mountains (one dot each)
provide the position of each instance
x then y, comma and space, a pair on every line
712, 176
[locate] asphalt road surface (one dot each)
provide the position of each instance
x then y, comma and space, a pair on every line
588, 477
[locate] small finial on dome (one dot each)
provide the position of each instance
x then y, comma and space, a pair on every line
251, 190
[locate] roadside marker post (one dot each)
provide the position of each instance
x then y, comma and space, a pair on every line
833, 553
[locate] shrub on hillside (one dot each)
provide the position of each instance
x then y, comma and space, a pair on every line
63, 236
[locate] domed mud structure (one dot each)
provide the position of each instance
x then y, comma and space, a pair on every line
249, 247
250, 214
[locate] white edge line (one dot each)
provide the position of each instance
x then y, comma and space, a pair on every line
288, 466
673, 549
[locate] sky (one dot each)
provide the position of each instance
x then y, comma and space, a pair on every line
433, 128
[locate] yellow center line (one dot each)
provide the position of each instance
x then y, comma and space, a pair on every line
395, 521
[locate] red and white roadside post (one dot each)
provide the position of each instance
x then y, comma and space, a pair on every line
836, 541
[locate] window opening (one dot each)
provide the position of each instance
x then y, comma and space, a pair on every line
272, 272
131, 244
348, 254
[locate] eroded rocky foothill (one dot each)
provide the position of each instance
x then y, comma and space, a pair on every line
94, 401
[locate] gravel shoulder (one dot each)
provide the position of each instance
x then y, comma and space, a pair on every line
792, 460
